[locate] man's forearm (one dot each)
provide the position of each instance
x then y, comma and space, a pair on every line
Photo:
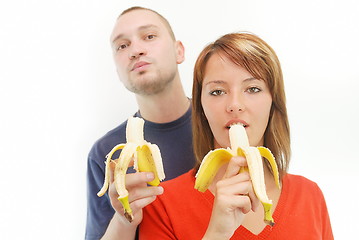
119, 229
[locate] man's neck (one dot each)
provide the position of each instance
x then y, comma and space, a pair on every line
165, 107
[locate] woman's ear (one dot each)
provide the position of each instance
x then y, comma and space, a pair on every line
179, 52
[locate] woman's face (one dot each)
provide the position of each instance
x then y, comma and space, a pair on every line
230, 95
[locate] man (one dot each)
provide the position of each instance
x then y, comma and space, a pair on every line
146, 56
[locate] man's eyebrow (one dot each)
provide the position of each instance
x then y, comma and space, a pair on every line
119, 36
141, 28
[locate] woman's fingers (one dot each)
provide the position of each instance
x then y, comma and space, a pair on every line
237, 187
254, 200
242, 202
234, 166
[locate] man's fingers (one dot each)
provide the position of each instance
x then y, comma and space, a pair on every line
136, 207
138, 198
141, 203
136, 185
143, 192
132, 179
138, 178
112, 169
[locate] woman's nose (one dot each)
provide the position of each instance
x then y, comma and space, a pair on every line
234, 108
235, 105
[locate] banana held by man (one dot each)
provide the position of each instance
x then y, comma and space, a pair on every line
146, 157
240, 147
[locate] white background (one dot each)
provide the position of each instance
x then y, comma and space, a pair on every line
59, 93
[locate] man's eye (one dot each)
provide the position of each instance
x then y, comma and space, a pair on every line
150, 36
216, 92
253, 90
121, 46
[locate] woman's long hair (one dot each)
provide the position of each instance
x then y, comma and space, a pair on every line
260, 60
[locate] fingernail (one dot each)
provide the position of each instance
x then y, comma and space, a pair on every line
160, 189
150, 176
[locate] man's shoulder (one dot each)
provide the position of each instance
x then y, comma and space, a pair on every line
117, 133
105, 143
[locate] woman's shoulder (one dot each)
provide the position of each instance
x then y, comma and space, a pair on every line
300, 183
297, 179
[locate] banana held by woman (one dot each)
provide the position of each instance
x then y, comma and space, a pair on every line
213, 161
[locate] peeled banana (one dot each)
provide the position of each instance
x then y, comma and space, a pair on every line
146, 157
213, 161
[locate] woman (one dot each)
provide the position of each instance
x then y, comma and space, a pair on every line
238, 79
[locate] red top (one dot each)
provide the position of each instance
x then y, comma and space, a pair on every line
182, 212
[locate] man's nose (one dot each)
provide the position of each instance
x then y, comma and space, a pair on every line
137, 50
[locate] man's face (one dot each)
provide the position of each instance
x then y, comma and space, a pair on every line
145, 54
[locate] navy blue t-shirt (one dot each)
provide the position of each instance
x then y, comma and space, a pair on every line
175, 142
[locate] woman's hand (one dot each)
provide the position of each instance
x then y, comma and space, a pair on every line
234, 197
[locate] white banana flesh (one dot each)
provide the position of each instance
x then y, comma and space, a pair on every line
146, 157
215, 159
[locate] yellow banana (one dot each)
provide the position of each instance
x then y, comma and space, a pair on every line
146, 157
212, 162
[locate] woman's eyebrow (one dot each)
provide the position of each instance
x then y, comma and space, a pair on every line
223, 82
250, 79
215, 82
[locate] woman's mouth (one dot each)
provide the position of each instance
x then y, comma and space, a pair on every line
235, 122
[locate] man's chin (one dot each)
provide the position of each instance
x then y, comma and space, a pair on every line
146, 88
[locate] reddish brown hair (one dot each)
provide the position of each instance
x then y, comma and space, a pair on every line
259, 59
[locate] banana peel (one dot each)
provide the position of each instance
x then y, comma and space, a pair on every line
215, 159
146, 157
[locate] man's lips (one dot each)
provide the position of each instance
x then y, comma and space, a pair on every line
139, 65
236, 121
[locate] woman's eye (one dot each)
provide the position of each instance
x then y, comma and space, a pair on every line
253, 90
216, 92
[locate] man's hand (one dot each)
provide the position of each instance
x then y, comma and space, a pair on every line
140, 195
